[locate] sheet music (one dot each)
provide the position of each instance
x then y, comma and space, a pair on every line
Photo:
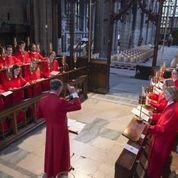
143, 115
54, 73
156, 90
75, 126
39, 80
160, 85
6, 93
131, 149
145, 111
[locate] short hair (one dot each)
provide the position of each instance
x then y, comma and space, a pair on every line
173, 91
9, 46
15, 66
168, 83
176, 70
52, 52
21, 42
55, 84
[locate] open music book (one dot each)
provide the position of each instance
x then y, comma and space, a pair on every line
75, 126
143, 116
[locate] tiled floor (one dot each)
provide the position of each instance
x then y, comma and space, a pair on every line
94, 159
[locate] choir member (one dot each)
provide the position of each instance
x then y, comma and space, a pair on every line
34, 54
175, 77
54, 110
2, 57
51, 65
159, 101
21, 54
32, 75
15, 84
17, 81
10, 59
163, 134
64, 66
4, 124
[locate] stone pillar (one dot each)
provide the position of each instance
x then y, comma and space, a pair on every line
102, 33
125, 32
42, 10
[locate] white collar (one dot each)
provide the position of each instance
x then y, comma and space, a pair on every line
170, 102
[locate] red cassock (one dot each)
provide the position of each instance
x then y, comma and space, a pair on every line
5, 124
46, 70
54, 66
23, 57
176, 83
18, 82
35, 55
4, 79
31, 76
57, 152
158, 101
163, 137
18, 95
2, 62
11, 60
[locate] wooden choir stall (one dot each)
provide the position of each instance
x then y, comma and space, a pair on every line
17, 116
133, 160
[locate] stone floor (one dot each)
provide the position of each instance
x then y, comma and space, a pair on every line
94, 158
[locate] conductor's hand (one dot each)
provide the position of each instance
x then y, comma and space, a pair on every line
71, 89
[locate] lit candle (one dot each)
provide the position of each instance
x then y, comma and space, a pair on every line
50, 47
38, 47
15, 41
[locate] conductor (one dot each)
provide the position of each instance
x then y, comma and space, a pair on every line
53, 109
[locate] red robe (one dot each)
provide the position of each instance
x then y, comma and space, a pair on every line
5, 124
18, 95
2, 63
23, 57
57, 151
36, 55
159, 103
16, 83
46, 70
30, 77
54, 66
4, 79
163, 137
176, 83
11, 60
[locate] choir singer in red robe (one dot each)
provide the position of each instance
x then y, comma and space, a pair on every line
54, 109
163, 134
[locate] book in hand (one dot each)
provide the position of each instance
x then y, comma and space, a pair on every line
142, 114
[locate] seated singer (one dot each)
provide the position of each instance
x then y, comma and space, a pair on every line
50, 66
15, 84
32, 75
54, 110
163, 134
21, 54
34, 54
